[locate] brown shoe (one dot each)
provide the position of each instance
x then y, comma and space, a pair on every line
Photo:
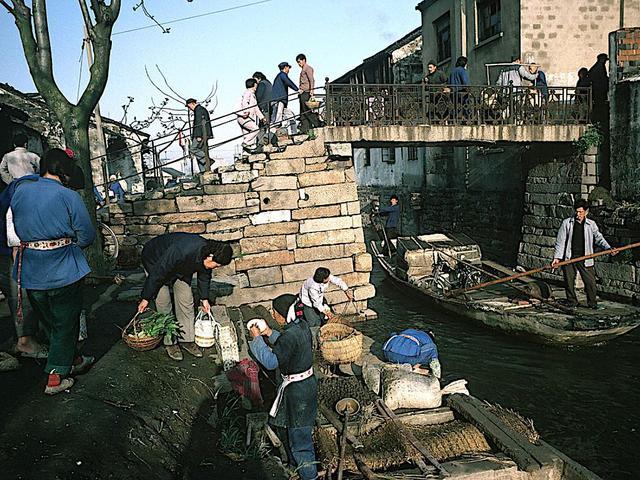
174, 352
192, 348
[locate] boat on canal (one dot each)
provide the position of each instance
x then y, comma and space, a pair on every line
436, 265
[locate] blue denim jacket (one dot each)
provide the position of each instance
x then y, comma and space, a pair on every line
591, 235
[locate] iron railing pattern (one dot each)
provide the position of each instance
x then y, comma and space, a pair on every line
379, 105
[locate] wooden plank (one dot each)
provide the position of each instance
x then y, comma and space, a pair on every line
329, 415
572, 470
528, 456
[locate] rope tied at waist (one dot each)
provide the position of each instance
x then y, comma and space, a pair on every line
286, 380
37, 245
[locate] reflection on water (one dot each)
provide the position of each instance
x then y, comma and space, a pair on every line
585, 401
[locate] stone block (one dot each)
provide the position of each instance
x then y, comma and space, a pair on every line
328, 177
325, 224
356, 278
285, 182
363, 262
279, 199
243, 176
210, 202
283, 228
149, 207
246, 296
227, 224
239, 166
330, 194
356, 220
274, 216
265, 259
263, 244
316, 212
170, 218
237, 212
310, 148
322, 238
324, 252
253, 202
350, 175
340, 149
291, 242
265, 276
121, 208
187, 227
316, 167
364, 292
616, 271
316, 160
284, 167
224, 236
302, 271
224, 189
146, 229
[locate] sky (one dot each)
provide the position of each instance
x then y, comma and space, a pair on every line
222, 48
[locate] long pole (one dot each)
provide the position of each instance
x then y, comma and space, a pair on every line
102, 144
519, 289
459, 291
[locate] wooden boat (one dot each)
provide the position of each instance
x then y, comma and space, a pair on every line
498, 306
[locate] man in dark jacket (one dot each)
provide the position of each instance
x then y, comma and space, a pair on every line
435, 75
600, 88
200, 133
296, 403
264, 94
281, 85
173, 259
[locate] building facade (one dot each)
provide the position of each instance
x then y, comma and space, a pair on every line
560, 35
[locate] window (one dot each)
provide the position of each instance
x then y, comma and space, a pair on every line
489, 19
412, 154
442, 27
389, 155
367, 157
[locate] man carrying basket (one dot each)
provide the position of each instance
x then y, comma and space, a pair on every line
173, 259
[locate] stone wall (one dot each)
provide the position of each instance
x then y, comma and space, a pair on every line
285, 215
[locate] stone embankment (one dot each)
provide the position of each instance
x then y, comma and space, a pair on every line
551, 190
285, 213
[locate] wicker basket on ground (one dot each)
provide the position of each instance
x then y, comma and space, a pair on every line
340, 343
131, 335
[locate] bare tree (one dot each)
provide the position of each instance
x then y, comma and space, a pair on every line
33, 26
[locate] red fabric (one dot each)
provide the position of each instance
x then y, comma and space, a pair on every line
69, 152
244, 380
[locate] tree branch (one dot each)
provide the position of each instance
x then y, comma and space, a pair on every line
169, 86
41, 27
8, 7
179, 100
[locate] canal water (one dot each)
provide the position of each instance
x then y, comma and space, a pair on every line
585, 401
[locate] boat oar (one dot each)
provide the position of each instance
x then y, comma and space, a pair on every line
499, 280
551, 303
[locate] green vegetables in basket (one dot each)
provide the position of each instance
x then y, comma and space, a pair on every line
158, 324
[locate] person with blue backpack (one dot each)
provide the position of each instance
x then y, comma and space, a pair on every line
414, 347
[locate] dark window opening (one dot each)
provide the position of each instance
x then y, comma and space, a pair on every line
389, 155
412, 154
442, 27
367, 157
489, 19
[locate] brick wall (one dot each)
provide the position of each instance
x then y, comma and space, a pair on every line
624, 47
285, 215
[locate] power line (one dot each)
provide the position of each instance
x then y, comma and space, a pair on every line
193, 16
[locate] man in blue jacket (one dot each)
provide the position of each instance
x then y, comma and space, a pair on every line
576, 238
52, 226
280, 95
173, 259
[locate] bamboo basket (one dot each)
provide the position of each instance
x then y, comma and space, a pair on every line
313, 103
141, 344
340, 343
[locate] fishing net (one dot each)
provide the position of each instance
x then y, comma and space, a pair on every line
387, 447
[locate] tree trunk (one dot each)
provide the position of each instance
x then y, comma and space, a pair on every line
76, 131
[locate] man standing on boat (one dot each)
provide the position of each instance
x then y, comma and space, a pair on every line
576, 238
392, 212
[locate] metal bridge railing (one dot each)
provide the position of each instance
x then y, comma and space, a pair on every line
379, 105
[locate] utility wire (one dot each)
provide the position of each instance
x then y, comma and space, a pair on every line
193, 16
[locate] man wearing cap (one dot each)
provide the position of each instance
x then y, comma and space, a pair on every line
296, 403
280, 95
200, 133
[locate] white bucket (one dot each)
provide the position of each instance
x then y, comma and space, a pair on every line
206, 330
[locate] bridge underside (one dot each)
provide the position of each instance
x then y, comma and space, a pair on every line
458, 134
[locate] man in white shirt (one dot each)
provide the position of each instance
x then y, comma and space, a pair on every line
312, 296
19, 162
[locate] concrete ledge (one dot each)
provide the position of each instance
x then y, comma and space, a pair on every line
454, 133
